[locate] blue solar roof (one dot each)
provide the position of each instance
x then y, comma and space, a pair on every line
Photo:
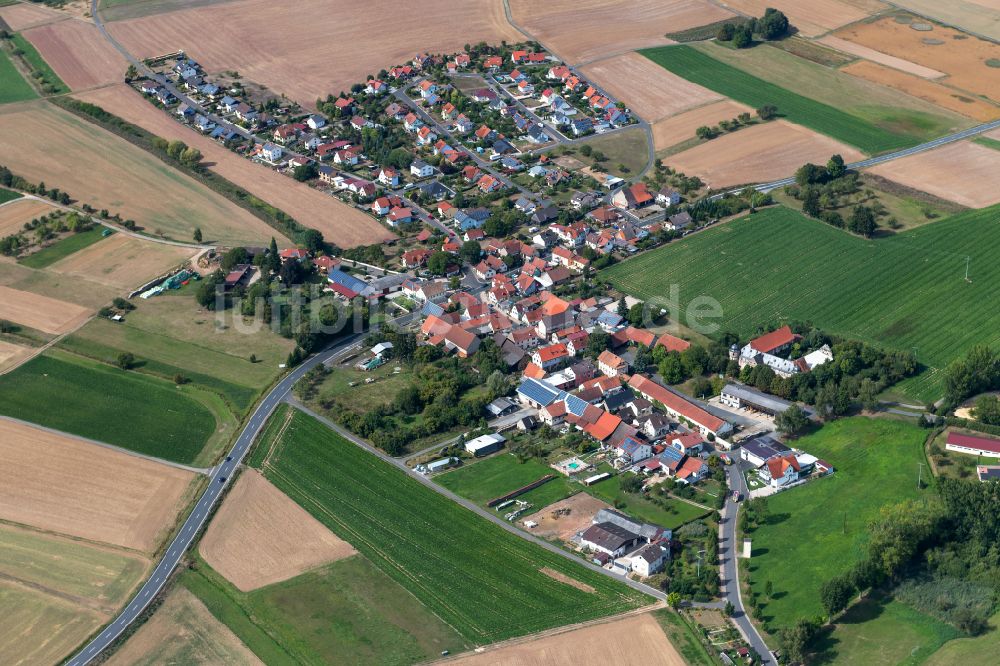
430, 308
538, 391
575, 405
671, 453
338, 276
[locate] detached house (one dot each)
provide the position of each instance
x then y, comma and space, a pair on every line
611, 365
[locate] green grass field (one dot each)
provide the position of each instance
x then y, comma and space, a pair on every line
13, 87
818, 530
725, 79
127, 409
672, 514
348, 611
905, 292
63, 248
39, 628
486, 479
50, 80
964, 651
682, 635
8, 195
478, 578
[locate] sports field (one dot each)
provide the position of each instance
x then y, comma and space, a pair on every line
13, 87
704, 69
484, 480
818, 530
480, 579
906, 292
128, 409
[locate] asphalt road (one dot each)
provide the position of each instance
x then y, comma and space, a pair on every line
203, 509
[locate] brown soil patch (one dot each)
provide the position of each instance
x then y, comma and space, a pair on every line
318, 48
42, 142
879, 57
338, 222
943, 96
12, 355
583, 30
122, 261
78, 53
563, 578
25, 15
758, 154
963, 59
962, 172
637, 639
14, 214
671, 131
260, 536
552, 522
811, 18
61, 484
993, 134
649, 89
183, 630
46, 314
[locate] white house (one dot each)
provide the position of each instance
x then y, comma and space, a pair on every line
421, 169
649, 559
271, 153
315, 121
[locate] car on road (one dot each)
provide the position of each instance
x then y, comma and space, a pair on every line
229, 458
222, 479
737, 496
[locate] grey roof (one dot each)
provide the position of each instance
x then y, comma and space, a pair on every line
646, 530
609, 535
755, 397
651, 552
765, 447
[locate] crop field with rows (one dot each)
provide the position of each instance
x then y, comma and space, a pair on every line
480, 579
906, 292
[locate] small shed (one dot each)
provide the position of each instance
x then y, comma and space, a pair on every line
485, 444
381, 348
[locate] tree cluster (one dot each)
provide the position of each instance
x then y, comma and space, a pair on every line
772, 25
977, 372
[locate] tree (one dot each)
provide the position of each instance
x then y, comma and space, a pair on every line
868, 393
674, 599
175, 148
726, 32
292, 272
190, 157
205, 294
622, 307
631, 483
130, 73
197, 235
768, 589
835, 594
596, 343
636, 314
742, 37
304, 172
313, 241
273, 259
471, 252
767, 112
810, 203
835, 167
672, 369
809, 173
987, 409
863, 221
795, 640
125, 360
773, 25
728, 609
898, 532
438, 262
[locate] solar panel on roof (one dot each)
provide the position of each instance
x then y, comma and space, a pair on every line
575, 405
671, 453
346, 280
538, 391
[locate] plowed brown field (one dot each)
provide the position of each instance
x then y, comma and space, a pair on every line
46, 314
671, 131
962, 172
78, 53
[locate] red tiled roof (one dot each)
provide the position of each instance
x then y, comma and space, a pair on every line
653, 391
773, 340
604, 427
552, 352
973, 442
672, 343
777, 466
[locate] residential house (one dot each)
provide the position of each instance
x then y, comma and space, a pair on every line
388, 176
315, 121
398, 216
611, 365
421, 169
550, 356
650, 559
762, 448
668, 196
678, 221
636, 196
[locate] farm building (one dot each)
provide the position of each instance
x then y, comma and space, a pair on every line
977, 446
988, 473
485, 444
738, 395
609, 538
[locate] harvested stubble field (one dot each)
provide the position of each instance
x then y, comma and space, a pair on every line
80, 291
647, 88
260, 537
39, 628
116, 10
759, 153
11, 354
935, 93
637, 639
78, 53
338, 222
45, 314
963, 172
24, 15
581, 31
677, 129
977, 16
183, 631
122, 261
61, 484
43, 142
814, 17
961, 57
138, 412
15, 214
446, 556
789, 266
882, 58
317, 49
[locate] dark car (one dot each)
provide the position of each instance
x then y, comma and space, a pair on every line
222, 479
229, 458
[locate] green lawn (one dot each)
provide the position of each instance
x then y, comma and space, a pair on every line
965, 651
818, 530
348, 611
477, 577
8, 195
51, 83
725, 79
127, 409
486, 479
62, 248
13, 87
672, 513
906, 292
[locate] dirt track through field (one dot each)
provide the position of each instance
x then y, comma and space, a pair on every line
338, 222
183, 631
61, 484
260, 536
13, 215
650, 90
758, 154
584, 30
122, 261
676, 129
962, 172
46, 314
78, 53
633, 640
318, 48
